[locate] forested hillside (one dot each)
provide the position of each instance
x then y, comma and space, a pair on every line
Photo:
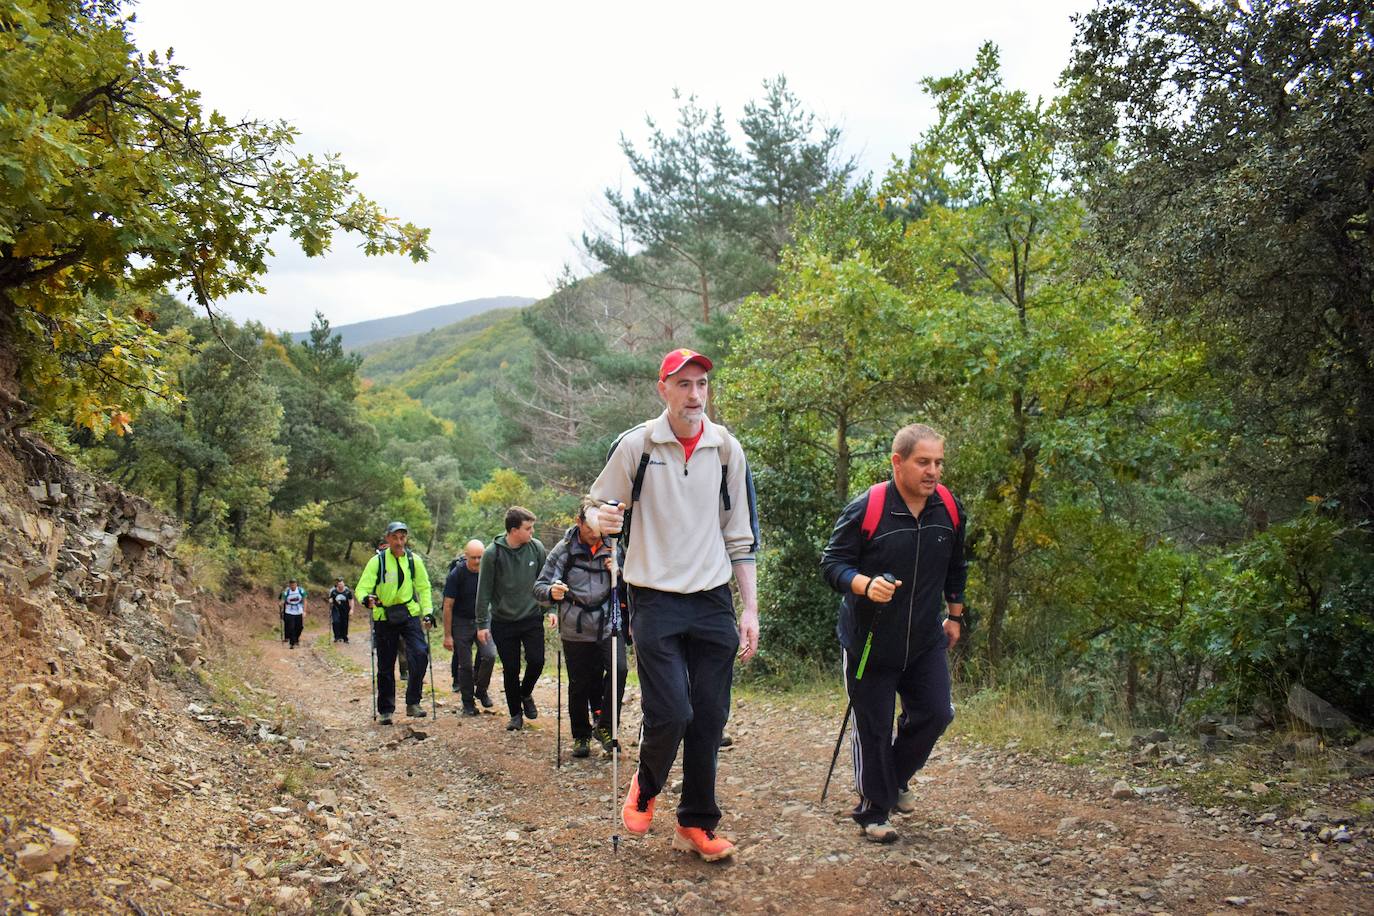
361, 335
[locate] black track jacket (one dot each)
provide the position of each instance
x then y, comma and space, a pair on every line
925, 553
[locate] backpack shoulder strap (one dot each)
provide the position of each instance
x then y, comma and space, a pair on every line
873, 512
725, 471
951, 507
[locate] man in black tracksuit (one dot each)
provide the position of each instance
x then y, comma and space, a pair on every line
918, 541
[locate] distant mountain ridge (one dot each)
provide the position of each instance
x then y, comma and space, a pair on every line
376, 330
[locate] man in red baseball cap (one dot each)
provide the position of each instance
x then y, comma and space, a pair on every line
691, 526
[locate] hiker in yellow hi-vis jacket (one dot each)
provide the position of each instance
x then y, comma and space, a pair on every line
395, 585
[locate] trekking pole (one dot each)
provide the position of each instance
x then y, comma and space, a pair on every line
429, 657
615, 696
372, 660
558, 740
849, 707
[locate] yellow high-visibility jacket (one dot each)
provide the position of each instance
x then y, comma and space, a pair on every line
389, 578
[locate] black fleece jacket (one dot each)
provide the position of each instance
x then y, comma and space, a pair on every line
925, 553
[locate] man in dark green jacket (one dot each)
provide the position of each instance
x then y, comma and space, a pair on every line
508, 613
395, 585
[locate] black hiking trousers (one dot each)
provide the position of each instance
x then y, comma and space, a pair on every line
883, 764
295, 623
685, 648
339, 618
470, 654
409, 639
589, 683
510, 637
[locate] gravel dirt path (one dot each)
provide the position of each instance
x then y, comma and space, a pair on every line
459, 815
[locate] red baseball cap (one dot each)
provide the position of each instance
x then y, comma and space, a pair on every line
675, 360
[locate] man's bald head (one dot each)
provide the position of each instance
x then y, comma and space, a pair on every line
472, 553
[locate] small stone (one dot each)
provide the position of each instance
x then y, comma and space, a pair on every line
159, 884
1122, 789
291, 899
63, 845
326, 798
255, 868
1267, 818
511, 836
1238, 901
33, 858
1259, 788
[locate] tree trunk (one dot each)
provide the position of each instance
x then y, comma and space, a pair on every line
179, 495
842, 459
1132, 684
1005, 556
705, 297
348, 552
310, 547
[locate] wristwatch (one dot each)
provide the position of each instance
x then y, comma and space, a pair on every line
959, 620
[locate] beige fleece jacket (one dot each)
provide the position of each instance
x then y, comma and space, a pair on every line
681, 538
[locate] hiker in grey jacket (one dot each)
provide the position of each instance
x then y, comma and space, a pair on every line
576, 582
692, 526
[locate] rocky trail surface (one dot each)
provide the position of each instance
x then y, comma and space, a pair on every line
262, 784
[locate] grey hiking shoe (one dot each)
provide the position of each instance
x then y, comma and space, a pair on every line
384, 718
906, 800
470, 708
582, 748
603, 737
485, 699
515, 724
881, 832
415, 710
531, 711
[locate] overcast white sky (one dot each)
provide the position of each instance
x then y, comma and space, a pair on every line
497, 125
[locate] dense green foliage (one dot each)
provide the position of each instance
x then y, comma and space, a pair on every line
1224, 151
118, 183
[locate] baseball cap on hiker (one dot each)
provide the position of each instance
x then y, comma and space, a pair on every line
675, 360
395, 527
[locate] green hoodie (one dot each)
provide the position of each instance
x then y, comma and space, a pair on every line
505, 582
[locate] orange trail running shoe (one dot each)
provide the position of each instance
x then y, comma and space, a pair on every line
637, 815
704, 843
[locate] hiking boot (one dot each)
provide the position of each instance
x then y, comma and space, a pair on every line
726, 740
637, 813
602, 734
384, 718
515, 724
470, 708
906, 800
581, 747
415, 710
881, 832
485, 699
704, 843
531, 711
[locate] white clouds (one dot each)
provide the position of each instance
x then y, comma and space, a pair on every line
498, 125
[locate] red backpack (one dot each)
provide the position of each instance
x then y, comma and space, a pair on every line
877, 495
